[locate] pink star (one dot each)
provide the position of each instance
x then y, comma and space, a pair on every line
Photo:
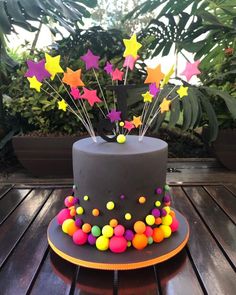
108, 68
75, 93
90, 96
128, 125
153, 89
114, 116
191, 69
117, 75
130, 61
91, 60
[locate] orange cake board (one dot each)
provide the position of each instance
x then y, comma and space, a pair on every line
91, 257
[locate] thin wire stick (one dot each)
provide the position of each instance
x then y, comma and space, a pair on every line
126, 75
99, 85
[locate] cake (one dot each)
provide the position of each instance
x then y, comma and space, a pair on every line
120, 200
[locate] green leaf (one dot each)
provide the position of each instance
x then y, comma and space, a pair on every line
194, 107
5, 24
187, 113
175, 113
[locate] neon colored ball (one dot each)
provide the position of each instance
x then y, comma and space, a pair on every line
72, 228
139, 227
157, 203
158, 220
150, 219
163, 212
119, 230
113, 222
107, 231
167, 188
91, 239
148, 232
150, 240
121, 138
166, 230
69, 201
174, 225
156, 212
167, 208
72, 212
118, 244
63, 215
102, 243
80, 237
110, 205
166, 220
166, 199
86, 198
139, 241
142, 200
95, 212
172, 213
66, 224
129, 235
80, 210
158, 190
96, 231
86, 228
121, 124
129, 244
128, 216
79, 222
158, 235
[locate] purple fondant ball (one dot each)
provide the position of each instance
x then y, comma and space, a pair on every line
166, 199
156, 212
78, 222
129, 235
163, 212
91, 239
158, 190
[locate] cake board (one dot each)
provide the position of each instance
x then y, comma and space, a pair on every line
91, 257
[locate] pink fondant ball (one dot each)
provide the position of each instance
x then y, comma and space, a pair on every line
118, 244
129, 235
80, 237
149, 231
174, 225
69, 201
119, 230
63, 215
91, 239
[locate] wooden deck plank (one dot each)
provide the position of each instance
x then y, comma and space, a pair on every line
15, 226
225, 199
25, 260
176, 273
5, 189
220, 225
212, 266
232, 188
10, 201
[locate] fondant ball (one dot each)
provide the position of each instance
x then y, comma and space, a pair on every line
150, 240
63, 215
158, 220
121, 138
157, 203
66, 224
121, 124
148, 231
96, 231
86, 198
150, 219
172, 213
72, 211
158, 190
91, 239
128, 216
110, 205
78, 222
129, 244
166, 199
166, 230
167, 188
142, 200
80, 210
139, 227
174, 225
167, 208
86, 228
72, 228
129, 235
95, 212
158, 235
163, 212
107, 231
156, 212
118, 244
69, 201
102, 243
166, 220
113, 222
139, 241
119, 230
80, 237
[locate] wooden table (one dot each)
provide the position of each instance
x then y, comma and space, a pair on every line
206, 265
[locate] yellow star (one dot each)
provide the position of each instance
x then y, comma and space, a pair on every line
131, 46
62, 105
34, 83
165, 105
52, 65
137, 121
182, 91
167, 77
147, 97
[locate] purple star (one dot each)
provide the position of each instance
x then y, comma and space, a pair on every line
75, 93
153, 89
91, 60
114, 116
37, 69
108, 68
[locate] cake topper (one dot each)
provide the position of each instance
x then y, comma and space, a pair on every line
114, 123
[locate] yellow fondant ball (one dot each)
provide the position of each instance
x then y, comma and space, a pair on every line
166, 230
80, 210
66, 225
150, 219
128, 216
121, 138
107, 231
86, 198
129, 244
167, 208
122, 124
166, 220
102, 243
157, 203
110, 205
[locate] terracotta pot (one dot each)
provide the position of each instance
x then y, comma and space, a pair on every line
45, 156
225, 148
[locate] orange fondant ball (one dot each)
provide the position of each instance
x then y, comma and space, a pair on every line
140, 241
142, 200
172, 213
158, 220
113, 222
158, 235
95, 212
139, 227
72, 212
86, 228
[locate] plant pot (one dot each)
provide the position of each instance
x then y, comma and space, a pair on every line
45, 155
225, 148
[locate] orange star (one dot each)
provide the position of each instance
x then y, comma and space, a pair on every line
72, 78
154, 75
165, 105
137, 121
